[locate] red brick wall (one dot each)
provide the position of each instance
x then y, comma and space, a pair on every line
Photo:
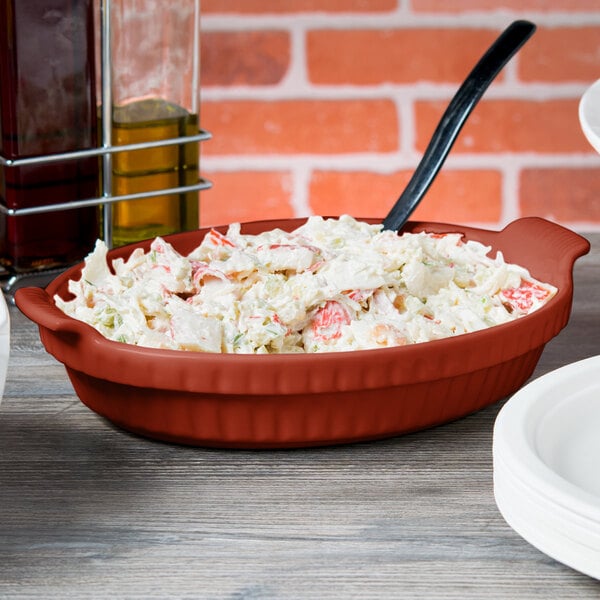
325, 107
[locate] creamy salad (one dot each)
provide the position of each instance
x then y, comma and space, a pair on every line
330, 285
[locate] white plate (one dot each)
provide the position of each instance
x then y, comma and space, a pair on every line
589, 115
546, 453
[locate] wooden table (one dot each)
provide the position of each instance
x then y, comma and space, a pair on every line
89, 511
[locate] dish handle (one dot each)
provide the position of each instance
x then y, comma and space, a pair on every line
556, 245
38, 306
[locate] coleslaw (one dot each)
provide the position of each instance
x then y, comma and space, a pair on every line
330, 285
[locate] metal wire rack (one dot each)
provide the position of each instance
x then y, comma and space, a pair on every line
11, 281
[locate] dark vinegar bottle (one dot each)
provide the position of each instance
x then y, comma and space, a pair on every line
47, 106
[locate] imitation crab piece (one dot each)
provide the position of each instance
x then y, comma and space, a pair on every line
441, 236
328, 321
526, 297
218, 239
201, 271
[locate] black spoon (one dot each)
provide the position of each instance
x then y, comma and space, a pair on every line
464, 101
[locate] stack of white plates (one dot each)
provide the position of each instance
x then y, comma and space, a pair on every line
546, 453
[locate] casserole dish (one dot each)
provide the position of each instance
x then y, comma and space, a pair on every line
291, 400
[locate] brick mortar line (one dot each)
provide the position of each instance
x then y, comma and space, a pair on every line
397, 161
297, 73
509, 207
299, 194
399, 19
405, 109
291, 90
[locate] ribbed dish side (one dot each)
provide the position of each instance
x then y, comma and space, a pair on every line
300, 420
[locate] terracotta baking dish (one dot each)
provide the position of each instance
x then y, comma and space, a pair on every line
269, 401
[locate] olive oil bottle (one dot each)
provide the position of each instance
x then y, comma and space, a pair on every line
155, 168
155, 96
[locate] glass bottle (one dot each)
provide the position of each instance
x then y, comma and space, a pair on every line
155, 72
47, 106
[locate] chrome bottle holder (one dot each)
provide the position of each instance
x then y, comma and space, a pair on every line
10, 282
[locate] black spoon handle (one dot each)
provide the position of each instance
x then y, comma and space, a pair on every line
465, 99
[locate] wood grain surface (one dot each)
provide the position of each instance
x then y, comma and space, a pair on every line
89, 511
